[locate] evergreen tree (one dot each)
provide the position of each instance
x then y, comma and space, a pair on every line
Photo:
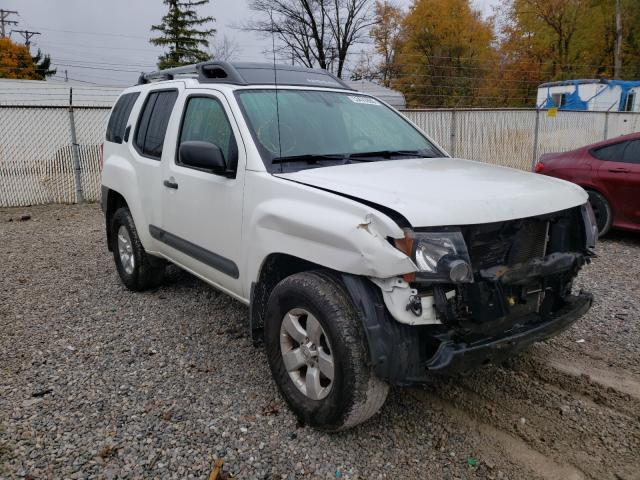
184, 33
42, 63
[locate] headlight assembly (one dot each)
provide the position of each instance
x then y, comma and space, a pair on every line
441, 257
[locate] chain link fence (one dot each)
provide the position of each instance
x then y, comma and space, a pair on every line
37, 158
517, 137
36, 154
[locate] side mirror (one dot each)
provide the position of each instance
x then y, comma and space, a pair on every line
205, 155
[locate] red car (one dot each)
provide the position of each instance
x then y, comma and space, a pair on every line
610, 172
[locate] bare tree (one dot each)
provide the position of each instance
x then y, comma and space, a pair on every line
313, 32
224, 49
366, 68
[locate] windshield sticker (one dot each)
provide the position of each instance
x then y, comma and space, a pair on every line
364, 100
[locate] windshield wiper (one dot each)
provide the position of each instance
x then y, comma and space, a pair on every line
388, 154
359, 156
311, 158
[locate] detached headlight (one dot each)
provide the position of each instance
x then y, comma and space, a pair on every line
441, 257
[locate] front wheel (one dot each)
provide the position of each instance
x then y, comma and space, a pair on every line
317, 354
602, 212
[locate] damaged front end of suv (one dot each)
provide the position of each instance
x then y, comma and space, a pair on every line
480, 293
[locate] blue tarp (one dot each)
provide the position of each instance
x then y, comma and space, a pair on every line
574, 102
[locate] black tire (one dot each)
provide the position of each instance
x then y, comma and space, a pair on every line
356, 393
147, 271
602, 211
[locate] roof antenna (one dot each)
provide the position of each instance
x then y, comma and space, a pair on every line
275, 81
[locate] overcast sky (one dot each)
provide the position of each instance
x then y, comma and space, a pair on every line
106, 42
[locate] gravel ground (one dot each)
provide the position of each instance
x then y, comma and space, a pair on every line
99, 382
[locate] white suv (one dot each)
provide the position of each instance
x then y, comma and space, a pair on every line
367, 256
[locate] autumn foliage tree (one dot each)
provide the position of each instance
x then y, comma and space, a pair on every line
547, 40
445, 55
386, 35
16, 61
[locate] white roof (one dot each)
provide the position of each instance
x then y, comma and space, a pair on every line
52, 93
392, 97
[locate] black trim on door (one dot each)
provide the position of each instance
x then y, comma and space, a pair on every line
134, 142
223, 264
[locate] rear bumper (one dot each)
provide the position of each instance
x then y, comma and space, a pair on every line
452, 357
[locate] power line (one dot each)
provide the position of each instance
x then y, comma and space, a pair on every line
27, 35
94, 33
4, 15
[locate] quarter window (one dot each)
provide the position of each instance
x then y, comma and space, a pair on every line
205, 120
120, 116
632, 152
153, 122
611, 153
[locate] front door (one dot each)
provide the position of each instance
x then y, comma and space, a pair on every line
202, 211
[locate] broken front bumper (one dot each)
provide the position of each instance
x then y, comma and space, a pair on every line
402, 354
452, 357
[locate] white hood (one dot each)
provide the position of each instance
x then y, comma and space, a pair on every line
446, 191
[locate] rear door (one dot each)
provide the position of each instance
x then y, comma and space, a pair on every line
147, 149
630, 181
202, 211
608, 177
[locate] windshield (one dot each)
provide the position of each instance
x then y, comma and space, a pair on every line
319, 128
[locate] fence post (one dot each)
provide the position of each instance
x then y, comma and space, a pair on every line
452, 135
536, 135
74, 151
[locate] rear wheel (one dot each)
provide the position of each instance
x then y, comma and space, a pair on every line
602, 211
317, 354
137, 269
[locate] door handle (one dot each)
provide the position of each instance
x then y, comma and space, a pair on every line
619, 170
170, 184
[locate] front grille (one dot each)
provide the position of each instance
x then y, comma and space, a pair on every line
506, 243
529, 242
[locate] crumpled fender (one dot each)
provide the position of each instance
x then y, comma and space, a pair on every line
321, 227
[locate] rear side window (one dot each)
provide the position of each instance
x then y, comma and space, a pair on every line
154, 119
632, 152
612, 153
120, 116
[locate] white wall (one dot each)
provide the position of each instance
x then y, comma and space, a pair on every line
51, 94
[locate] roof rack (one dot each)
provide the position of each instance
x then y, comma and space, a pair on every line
248, 74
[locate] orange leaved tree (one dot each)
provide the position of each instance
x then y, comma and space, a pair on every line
16, 61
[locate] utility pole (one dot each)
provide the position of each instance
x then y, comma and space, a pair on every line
617, 60
4, 15
26, 34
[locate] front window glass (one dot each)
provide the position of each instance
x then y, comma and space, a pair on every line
320, 123
205, 120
